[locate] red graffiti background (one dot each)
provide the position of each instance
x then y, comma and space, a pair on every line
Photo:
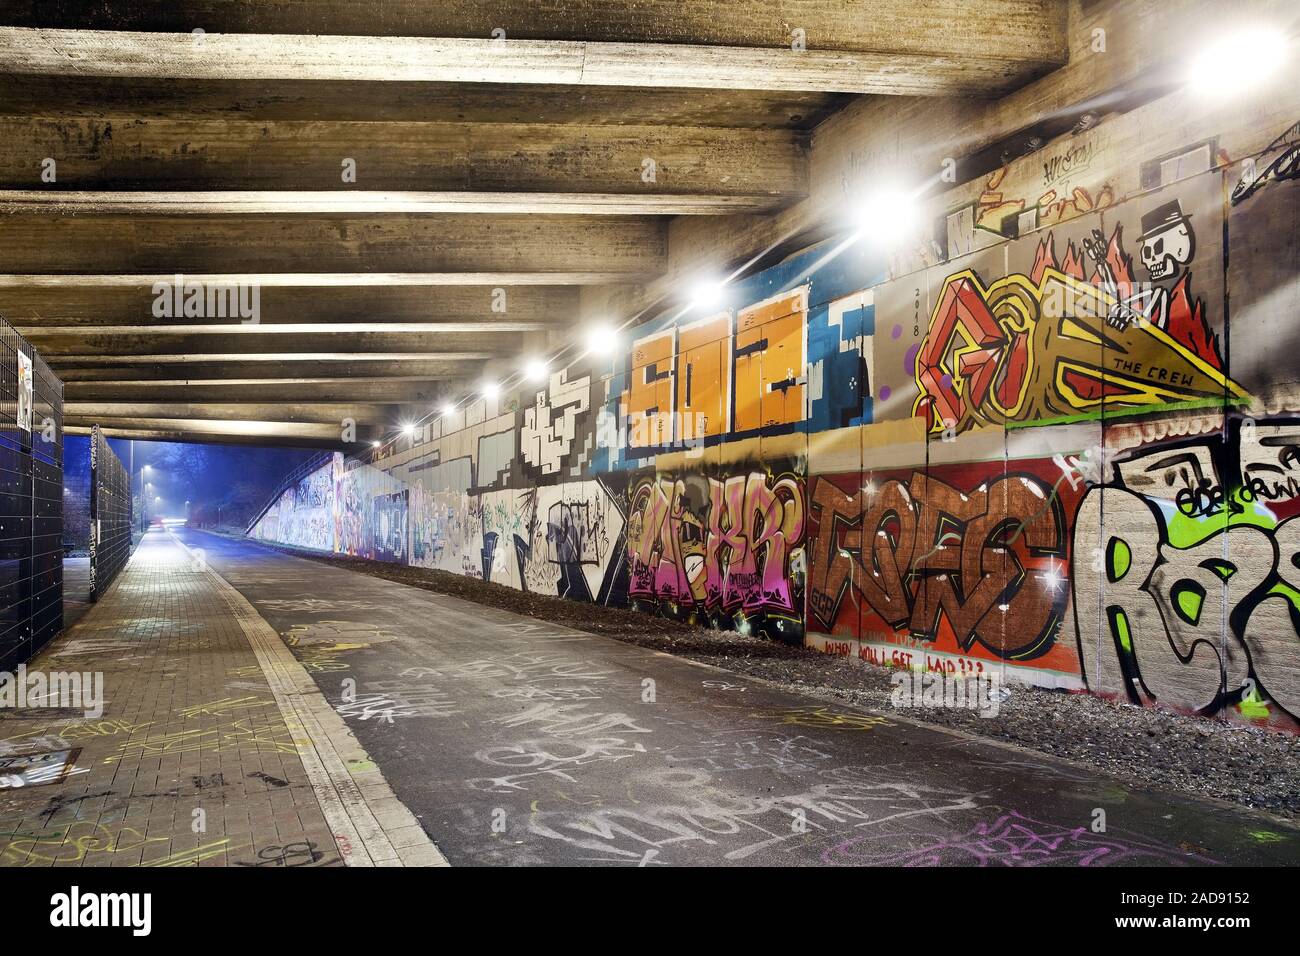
970, 560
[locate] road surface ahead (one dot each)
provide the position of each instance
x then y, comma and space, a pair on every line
518, 742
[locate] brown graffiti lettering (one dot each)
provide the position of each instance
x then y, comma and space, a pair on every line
919, 552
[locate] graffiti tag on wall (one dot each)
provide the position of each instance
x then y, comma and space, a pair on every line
1055, 344
708, 379
726, 551
976, 564
1186, 584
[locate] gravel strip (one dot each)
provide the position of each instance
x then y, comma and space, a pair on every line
1154, 749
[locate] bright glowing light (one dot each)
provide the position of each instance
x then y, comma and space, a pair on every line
491, 390
374, 444
1053, 578
708, 294
1238, 61
448, 409
888, 214
535, 370
408, 429
146, 467
601, 340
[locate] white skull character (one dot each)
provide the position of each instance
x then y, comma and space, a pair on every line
1167, 240
1165, 251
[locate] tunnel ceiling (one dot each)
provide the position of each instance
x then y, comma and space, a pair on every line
146, 150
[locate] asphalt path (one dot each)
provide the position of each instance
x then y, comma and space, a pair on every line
518, 742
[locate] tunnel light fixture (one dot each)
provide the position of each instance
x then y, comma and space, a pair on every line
408, 429
535, 370
1238, 61
601, 340
374, 444
491, 390
708, 294
888, 214
448, 409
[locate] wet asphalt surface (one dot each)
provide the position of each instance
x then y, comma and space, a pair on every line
519, 742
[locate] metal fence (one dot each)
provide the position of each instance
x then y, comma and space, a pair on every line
110, 514
31, 500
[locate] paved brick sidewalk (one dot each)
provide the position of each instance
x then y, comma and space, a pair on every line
214, 746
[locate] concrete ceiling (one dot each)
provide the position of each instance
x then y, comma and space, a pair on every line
480, 164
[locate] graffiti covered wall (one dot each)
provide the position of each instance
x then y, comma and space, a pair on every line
952, 568
1193, 594
1047, 446
720, 548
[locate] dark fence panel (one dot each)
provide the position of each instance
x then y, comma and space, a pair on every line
31, 500
110, 515
47, 502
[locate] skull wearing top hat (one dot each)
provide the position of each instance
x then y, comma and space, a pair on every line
1167, 240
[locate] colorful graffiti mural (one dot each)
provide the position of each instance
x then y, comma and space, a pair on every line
723, 551
1190, 592
1036, 456
1074, 337
718, 375
960, 565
